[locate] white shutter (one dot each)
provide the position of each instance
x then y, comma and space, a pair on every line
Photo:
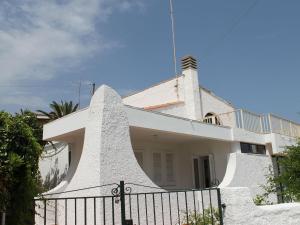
212, 170
157, 168
170, 176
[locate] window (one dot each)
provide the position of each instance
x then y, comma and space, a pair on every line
163, 171
170, 168
253, 148
157, 167
212, 119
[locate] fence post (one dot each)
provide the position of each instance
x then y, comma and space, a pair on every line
291, 129
281, 127
242, 119
270, 123
220, 206
122, 199
261, 124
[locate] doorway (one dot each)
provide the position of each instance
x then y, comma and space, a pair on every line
202, 173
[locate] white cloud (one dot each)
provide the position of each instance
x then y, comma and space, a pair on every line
34, 102
38, 38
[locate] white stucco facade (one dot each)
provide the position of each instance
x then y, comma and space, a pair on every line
158, 138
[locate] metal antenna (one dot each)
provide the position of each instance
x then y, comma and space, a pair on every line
79, 93
173, 36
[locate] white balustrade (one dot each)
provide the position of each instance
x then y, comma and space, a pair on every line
253, 122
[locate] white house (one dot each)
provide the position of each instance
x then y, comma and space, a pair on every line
173, 135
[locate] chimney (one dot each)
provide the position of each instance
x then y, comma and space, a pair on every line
192, 100
188, 62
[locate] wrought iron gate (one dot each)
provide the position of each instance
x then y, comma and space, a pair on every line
146, 206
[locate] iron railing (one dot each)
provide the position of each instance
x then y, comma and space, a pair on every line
124, 207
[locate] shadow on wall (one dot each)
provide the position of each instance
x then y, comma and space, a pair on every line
54, 177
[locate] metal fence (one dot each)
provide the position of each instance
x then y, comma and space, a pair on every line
125, 207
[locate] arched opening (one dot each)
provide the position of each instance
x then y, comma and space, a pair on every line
212, 118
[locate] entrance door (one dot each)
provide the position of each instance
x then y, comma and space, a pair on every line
202, 177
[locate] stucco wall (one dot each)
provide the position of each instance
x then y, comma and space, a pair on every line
213, 104
53, 161
248, 170
177, 110
279, 142
161, 93
240, 210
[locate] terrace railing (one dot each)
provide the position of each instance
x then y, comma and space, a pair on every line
249, 121
258, 123
283, 126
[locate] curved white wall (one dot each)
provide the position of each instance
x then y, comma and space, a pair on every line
248, 170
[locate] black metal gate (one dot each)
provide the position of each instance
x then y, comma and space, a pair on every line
146, 206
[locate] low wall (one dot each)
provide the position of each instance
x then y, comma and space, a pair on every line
240, 210
248, 170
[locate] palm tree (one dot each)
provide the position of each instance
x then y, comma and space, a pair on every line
59, 109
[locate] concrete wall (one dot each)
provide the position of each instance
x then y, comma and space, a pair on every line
177, 110
248, 170
213, 104
162, 93
240, 210
54, 162
279, 142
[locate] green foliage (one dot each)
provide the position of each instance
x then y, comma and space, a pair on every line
269, 188
59, 109
287, 182
289, 177
209, 217
20, 150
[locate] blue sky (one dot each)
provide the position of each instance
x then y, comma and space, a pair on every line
248, 51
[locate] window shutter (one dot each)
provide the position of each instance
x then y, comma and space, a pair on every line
212, 169
170, 167
157, 168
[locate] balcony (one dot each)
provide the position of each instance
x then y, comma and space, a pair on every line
257, 123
